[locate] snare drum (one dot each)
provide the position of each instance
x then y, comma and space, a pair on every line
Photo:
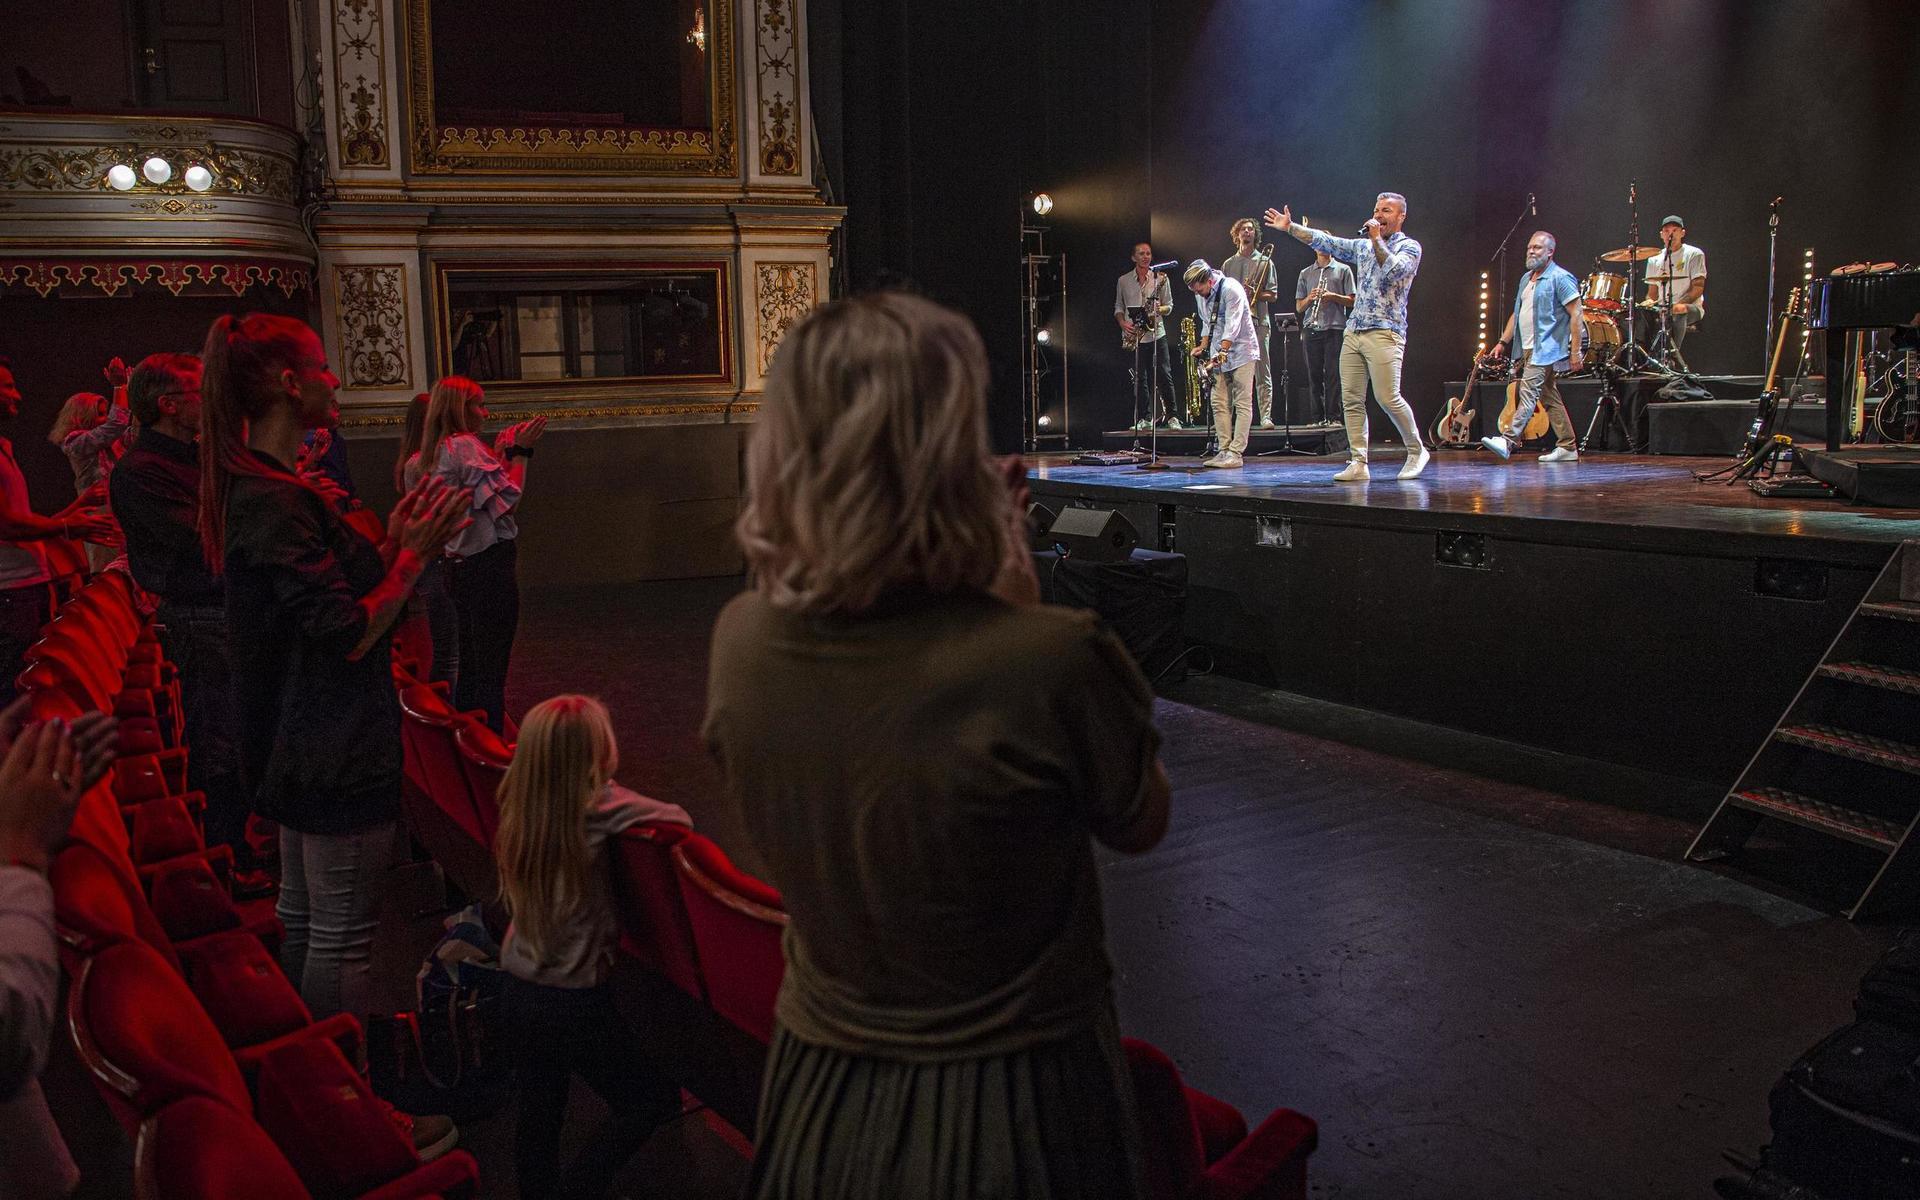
1603, 291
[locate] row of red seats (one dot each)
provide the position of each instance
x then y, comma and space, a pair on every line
712, 930
198, 1043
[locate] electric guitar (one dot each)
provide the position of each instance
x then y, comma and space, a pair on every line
1761, 435
1454, 427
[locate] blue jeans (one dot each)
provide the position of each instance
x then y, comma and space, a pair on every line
330, 891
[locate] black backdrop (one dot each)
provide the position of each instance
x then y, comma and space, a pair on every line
1171, 117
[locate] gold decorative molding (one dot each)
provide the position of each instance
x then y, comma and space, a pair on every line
776, 67
354, 420
783, 293
83, 169
109, 276
523, 149
173, 206
359, 82
370, 314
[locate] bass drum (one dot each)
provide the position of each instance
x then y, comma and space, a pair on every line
1599, 338
1603, 291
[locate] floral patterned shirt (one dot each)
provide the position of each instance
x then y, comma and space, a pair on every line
1381, 288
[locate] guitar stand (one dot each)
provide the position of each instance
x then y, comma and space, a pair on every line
1606, 412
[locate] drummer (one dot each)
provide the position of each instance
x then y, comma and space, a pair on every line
1677, 283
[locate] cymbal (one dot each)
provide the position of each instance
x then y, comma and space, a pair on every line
1630, 254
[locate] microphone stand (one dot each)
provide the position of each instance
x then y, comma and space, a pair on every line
1773, 246
1500, 258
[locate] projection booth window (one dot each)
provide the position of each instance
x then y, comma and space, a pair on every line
650, 323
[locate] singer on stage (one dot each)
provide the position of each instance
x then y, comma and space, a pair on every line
1384, 262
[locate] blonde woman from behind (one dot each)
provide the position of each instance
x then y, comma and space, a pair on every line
559, 807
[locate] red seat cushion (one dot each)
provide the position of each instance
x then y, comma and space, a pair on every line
737, 921
241, 987
1171, 1147
163, 828
324, 1118
200, 1149
95, 904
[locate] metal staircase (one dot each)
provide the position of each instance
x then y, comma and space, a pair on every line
1844, 761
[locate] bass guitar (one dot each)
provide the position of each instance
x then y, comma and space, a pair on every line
1454, 427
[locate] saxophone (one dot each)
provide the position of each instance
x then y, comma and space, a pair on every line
1189, 339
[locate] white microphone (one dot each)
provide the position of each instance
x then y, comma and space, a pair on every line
1367, 226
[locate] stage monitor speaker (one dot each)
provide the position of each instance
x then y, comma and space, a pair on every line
1094, 535
1039, 524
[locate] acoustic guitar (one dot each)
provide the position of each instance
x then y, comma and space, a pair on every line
1537, 424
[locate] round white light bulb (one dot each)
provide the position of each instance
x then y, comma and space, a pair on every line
1043, 337
120, 177
199, 178
157, 169
1043, 204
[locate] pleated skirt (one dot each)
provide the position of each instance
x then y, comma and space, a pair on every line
1055, 1122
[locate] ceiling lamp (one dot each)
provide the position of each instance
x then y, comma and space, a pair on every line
157, 169
199, 178
120, 177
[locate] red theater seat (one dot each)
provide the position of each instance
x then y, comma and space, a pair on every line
737, 921
484, 757
654, 929
1198, 1147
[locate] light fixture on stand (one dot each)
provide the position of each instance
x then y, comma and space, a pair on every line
1043, 322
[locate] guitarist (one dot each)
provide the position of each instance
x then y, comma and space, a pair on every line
1140, 307
1229, 349
1253, 271
1547, 319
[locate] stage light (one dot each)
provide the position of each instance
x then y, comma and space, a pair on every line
120, 177
157, 169
1044, 337
1042, 204
1045, 421
198, 178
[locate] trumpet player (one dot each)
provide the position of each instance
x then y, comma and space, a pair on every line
1322, 296
1252, 269
1141, 303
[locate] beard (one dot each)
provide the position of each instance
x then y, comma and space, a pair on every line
1536, 261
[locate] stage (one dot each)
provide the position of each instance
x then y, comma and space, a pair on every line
1611, 608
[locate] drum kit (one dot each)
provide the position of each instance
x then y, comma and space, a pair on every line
1605, 297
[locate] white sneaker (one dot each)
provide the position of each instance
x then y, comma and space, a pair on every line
1229, 460
1560, 454
1498, 445
1211, 460
1416, 463
1354, 472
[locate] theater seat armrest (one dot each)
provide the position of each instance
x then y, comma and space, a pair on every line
455, 1176
1270, 1165
340, 1029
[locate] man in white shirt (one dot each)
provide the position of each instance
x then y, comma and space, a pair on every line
1677, 284
1141, 303
1231, 351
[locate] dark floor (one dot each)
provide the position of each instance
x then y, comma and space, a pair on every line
1483, 970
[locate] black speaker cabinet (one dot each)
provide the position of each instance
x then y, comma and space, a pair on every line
1094, 534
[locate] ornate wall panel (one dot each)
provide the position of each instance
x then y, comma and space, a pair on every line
370, 321
776, 62
783, 293
361, 83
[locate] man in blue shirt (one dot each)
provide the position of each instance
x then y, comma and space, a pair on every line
1226, 334
1384, 263
1547, 320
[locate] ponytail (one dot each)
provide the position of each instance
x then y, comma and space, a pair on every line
239, 362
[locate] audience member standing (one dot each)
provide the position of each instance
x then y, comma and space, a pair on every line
309, 606
92, 434
481, 569
155, 490
559, 807
443, 620
26, 591
922, 754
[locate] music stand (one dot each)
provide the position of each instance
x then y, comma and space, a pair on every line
1284, 324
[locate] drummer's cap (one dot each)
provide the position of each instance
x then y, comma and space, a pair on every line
1666, 221
1196, 271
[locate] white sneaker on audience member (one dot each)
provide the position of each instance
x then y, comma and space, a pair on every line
1416, 463
1498, 445
1560, 454
1354, 472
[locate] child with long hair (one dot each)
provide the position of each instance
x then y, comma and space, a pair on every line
559, 807
434, 593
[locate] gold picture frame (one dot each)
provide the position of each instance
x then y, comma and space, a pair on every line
571, 150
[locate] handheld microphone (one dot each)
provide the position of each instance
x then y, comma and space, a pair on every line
1167, 265
1363, 228
1777, 200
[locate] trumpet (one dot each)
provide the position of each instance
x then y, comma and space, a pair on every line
1313, 310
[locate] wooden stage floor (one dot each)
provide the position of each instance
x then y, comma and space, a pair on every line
1633, 500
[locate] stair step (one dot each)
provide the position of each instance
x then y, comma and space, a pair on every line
1894, 679
1892, 610
1881, 752
1820, 815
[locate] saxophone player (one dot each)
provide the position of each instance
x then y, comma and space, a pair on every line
1140, 304
1252, 269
